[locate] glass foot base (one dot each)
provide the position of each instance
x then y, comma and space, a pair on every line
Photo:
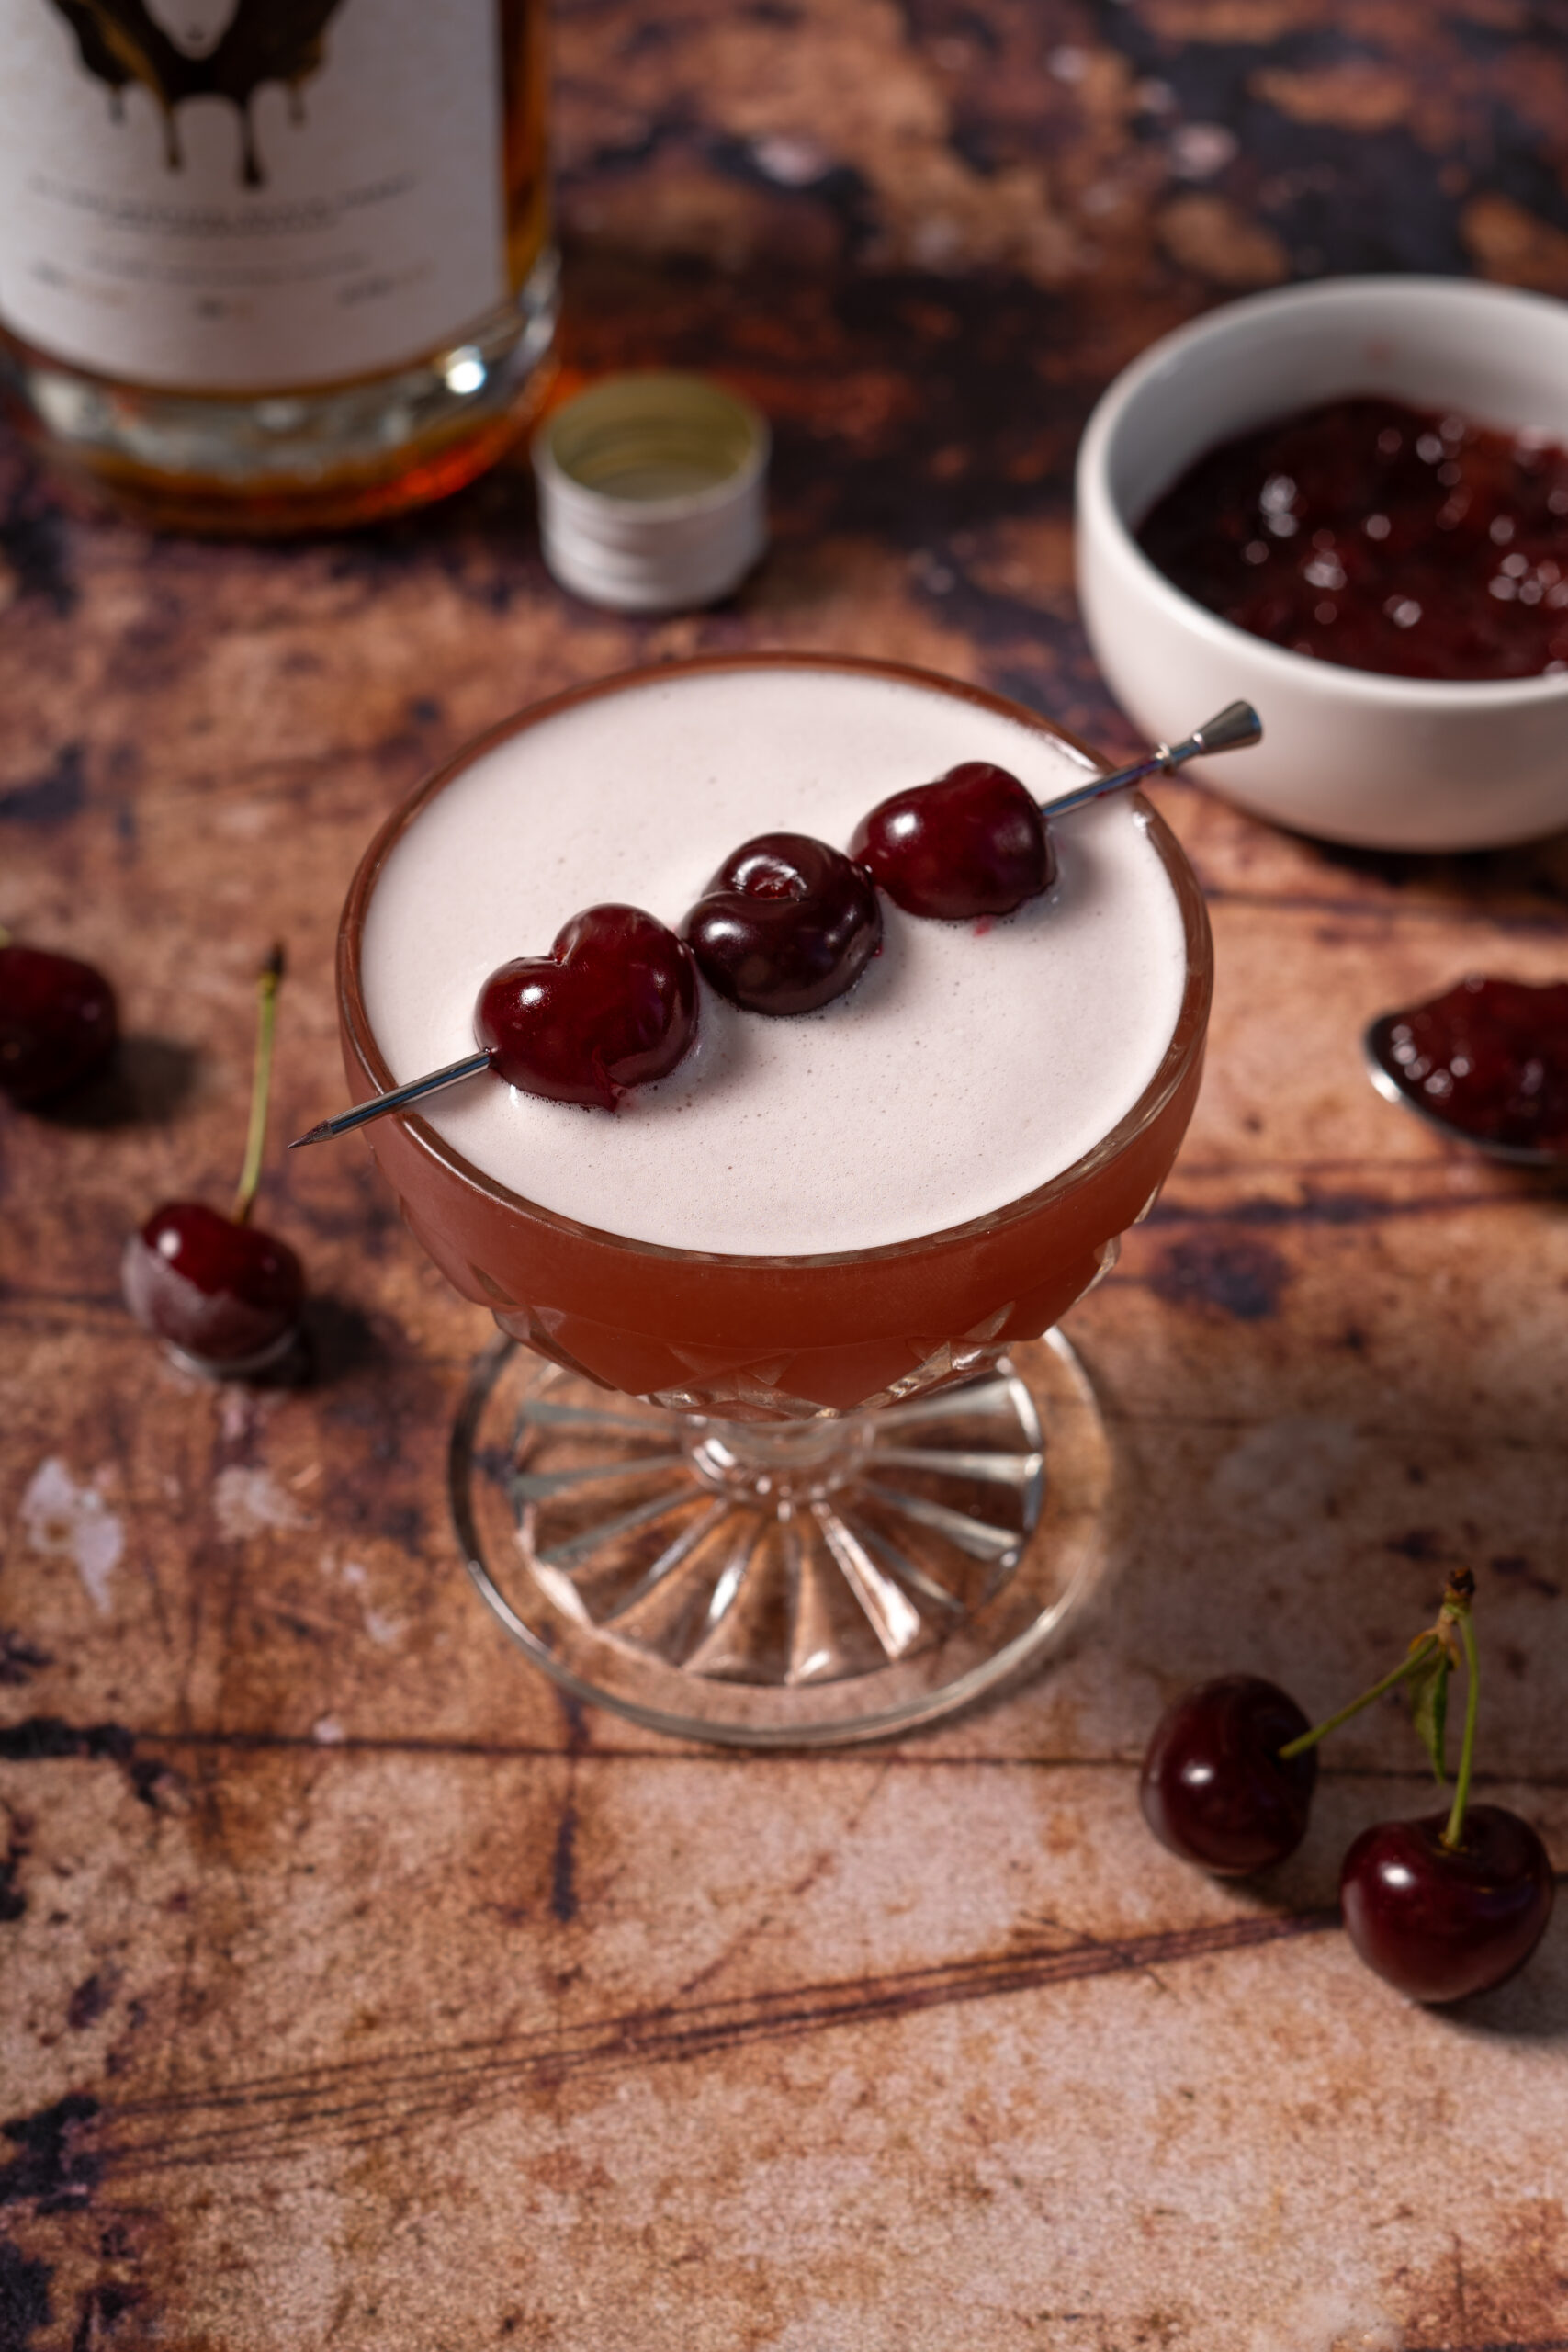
783, 1586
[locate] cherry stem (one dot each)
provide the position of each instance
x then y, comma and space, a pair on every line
1450, 1838
1419, 1656
261, 1084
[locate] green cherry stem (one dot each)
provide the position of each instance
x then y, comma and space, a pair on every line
1420, 1653
1450, 1838
261, 1084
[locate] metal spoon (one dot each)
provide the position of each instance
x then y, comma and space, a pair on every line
1377, 1048
1230, 730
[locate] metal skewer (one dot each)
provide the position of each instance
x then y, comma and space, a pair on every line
1231, 729
398, 1100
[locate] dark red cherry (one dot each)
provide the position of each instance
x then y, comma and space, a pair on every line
1214, 1788
972, 843
786, 924
57, 1022
613, 1005
227, 1295
1440, 1923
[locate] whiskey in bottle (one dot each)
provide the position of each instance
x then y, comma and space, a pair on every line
273, 264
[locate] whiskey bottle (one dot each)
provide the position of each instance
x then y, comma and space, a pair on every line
268, 264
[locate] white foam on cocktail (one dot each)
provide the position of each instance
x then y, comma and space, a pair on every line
967, 1065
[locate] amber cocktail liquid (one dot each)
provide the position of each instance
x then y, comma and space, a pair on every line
267, 264
788, 1457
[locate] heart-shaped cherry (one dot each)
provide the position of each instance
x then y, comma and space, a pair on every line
613, 1005
1214, 1787
223, 1293
228, 1296
972, 843
57, 1022
1440, 1922
786, 925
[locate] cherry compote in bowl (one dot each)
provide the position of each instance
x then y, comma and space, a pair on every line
1349, 754
777, 1495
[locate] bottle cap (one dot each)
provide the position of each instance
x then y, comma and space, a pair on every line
652, 492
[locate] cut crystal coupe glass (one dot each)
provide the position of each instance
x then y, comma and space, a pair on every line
781, 1501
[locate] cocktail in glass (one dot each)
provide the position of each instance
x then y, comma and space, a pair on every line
777, 1495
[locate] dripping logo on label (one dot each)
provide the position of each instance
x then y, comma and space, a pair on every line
198, 49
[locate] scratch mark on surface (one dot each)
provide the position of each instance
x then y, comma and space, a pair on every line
563, 1867
270, 2118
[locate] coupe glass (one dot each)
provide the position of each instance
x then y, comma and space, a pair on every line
781, 1501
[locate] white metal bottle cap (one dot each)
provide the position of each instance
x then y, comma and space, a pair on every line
652, 492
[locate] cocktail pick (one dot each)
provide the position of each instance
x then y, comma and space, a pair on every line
398, 1099
1229, 730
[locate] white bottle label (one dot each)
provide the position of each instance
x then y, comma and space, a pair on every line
249, 195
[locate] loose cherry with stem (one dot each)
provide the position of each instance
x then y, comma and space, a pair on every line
1438, 1912
225, 1295
1451, 1904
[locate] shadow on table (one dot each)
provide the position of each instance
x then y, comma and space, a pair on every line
147, 1081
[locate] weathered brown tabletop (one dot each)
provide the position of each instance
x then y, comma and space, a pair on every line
358, 1991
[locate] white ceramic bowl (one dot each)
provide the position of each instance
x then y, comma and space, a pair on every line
1346, 754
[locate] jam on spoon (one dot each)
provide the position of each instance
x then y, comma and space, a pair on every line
1380, 536
1487, 1061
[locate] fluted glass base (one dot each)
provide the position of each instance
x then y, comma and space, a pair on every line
783, 1585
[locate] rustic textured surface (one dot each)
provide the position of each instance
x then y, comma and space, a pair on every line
355, 1991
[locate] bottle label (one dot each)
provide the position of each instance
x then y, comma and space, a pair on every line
249, 195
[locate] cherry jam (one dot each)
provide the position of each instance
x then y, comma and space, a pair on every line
1380, 536
1490, 1058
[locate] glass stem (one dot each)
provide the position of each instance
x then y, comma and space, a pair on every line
1419, 1656
1467, 1752
261, 1084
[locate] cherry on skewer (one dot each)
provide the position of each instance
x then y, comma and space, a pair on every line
58, 1022
972, 843
613, 1005
786, 925
223, 1293
975, 843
